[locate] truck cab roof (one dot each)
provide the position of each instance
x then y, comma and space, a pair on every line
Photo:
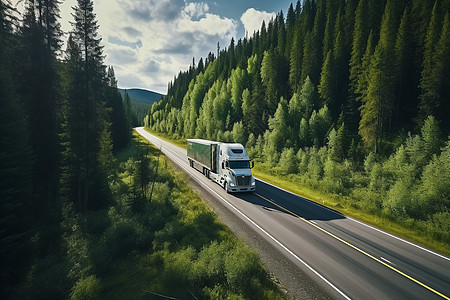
234, 151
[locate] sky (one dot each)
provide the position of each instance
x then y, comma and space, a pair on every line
148, 42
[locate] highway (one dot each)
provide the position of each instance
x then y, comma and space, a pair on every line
345, 258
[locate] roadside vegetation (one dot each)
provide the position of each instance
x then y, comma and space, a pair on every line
376, 192
156, 237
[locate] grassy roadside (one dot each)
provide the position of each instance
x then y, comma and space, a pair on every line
189, 253
408, 229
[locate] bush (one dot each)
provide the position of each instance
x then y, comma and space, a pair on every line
244, 271
439, 226
86, 289
288, 161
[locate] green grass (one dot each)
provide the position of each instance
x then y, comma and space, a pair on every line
408, 229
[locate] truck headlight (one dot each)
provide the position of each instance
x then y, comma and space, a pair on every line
253, 183
232, 184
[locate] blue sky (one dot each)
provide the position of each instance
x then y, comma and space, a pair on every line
149, 41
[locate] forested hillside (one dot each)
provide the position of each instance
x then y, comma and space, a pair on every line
350, 97
140, 101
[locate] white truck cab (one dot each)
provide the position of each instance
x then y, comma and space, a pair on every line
234, 165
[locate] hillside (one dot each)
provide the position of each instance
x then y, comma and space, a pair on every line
141, 101
141, 95
347, 98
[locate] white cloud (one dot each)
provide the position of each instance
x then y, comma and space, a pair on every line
195, 10
148, 42
252, 19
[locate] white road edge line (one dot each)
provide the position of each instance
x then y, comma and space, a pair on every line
361, 223
262, 230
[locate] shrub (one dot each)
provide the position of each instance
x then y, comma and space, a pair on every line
86, 289
288, 161
243, 269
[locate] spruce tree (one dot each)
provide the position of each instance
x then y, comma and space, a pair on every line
86, 119
39, 92
406, 87
16, 165
295, 62
120, 129
434, 81
376, 111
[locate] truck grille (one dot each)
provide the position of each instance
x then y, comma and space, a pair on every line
243, 180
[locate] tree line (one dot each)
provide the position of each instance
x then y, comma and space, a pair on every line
349, 85
61, 120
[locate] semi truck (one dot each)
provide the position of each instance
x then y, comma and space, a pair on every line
224, 163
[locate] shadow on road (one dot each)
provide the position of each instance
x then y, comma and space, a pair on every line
292, 203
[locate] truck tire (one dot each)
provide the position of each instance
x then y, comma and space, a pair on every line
225, 187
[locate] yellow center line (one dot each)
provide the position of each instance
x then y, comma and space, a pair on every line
354, 247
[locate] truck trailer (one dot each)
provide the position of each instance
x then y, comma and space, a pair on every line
225, 163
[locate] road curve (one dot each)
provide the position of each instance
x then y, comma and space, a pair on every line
346, 258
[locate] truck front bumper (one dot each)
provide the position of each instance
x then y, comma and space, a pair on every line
242, 189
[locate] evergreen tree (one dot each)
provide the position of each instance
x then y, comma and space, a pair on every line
120, 128
269, 78
39, 92
296, 56
308, 98
327, 86
406, 89
359, 45
16, 166
436, 71
312, 53
85, 117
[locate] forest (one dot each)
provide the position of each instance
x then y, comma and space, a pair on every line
87, 211
347, 97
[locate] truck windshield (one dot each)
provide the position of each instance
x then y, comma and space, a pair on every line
240, 164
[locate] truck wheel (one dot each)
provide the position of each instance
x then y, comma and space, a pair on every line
225, 187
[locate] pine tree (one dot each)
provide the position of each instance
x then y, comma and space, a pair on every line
279, 137
85, 117
308, 98
16, 165
120, 128
360, 35
435, 89
39, 91
406, 89
377, 106
269, 78
312, 53
327, 86
296, 55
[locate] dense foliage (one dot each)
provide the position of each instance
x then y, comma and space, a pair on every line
61, 117
352, 96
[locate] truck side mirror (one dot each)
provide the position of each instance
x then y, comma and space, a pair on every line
253, 164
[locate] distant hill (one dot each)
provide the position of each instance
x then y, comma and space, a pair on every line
141, 95
141, 101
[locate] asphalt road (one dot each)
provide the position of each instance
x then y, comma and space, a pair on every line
347, 259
